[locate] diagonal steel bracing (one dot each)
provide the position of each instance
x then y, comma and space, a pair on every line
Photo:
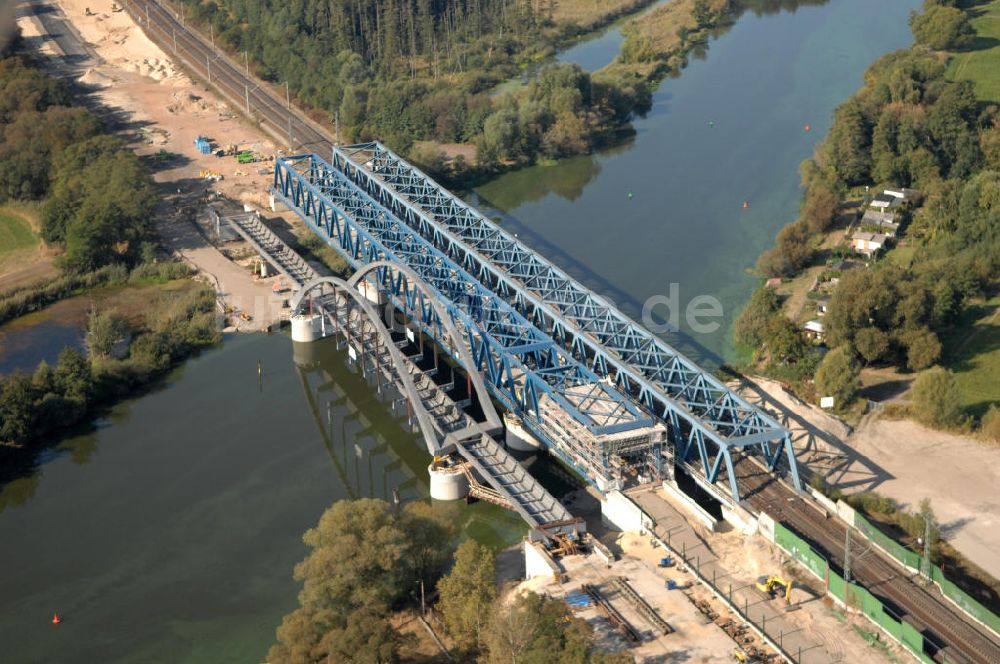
700, 409
520, 362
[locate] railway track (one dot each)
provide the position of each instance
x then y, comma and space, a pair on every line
955, 637
253, 97
958, 638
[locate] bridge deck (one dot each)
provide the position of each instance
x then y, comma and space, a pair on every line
530, 499
270, 246
488, 459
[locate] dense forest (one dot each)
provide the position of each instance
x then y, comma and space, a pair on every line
908, 126
99, 196
413, 70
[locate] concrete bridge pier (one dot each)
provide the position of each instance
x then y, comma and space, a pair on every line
517, 437
307, 327
448, 482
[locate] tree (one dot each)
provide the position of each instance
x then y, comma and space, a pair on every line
702, 14
530, 628
819, 208
751, 325
784, 341
430, 536
847, 147
500, 137
352, 111
936, 399
366, 638
791, 254
357, 558
922, 348
468, 593
838, 376
989, 426
101, 204
17, 409
871, 343
299, 636
104, 331
567, 136
942, 28
989, 145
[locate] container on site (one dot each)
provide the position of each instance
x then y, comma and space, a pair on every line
203, 144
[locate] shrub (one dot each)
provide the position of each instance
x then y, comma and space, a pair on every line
936, 399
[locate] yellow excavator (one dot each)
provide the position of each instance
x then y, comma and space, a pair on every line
774, 584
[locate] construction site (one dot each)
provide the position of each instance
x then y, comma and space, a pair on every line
751, 566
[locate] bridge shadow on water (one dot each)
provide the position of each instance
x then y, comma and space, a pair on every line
624, 301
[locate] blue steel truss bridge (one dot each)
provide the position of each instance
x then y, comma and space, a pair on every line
609, 398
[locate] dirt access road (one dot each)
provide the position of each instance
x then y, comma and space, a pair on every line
160, 108
903, 460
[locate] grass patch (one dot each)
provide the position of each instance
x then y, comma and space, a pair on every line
586, 15
18, 242
901, 256
16, 233
980, 63
973, 353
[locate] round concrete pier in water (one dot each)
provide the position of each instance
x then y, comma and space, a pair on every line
448, 482
305, 327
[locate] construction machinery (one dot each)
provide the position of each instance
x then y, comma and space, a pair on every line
741, 656
210, 175
774, 585
115, 7
246, 157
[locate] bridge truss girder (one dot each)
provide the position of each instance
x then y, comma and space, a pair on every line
519, 362
700, 409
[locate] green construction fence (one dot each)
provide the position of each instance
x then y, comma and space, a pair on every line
858, 597
967, 603
912, 560
851, 594
800, 550
894, 548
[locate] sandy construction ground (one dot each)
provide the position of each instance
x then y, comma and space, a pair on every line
118, 42
905, 461
160, 109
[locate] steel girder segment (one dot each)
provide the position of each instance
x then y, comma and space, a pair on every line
643, 365
517, 358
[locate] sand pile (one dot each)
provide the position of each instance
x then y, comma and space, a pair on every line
119, 41
185, 101
96, 78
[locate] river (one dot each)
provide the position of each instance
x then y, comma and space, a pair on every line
667, 206
168, 533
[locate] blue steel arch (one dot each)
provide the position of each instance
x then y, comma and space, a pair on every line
521, 364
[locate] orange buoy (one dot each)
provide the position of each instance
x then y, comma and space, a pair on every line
56, 619
809, 127
746, 205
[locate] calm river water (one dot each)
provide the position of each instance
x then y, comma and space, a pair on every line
169, 533
730, 129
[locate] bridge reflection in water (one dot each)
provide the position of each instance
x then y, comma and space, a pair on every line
372, 448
